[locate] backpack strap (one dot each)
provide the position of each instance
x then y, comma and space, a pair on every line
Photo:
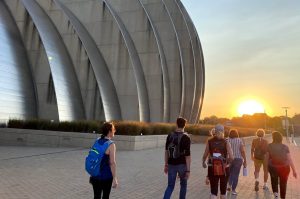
107, 144
171, 136
179, 140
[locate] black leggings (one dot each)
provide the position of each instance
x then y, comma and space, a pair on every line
214, 182
100, 186
281, 173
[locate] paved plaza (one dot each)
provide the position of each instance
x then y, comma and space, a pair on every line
58, 173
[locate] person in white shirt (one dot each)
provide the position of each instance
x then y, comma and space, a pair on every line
239, 154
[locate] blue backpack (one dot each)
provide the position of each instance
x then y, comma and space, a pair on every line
94, 158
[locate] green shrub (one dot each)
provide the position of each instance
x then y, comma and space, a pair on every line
202, 130
128, 128
162, 128
75, 126
122, 127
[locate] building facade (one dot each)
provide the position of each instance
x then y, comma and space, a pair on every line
99, 60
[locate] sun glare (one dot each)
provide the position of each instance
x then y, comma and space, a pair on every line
250, 107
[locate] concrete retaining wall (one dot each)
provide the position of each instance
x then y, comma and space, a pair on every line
27, 137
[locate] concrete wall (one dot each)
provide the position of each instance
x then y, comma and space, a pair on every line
27, 137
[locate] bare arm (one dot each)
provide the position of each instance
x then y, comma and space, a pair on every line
188, 160
252, 150
266, 160
243, 153
229, 151
113, 164
292, 165
166, 162
166, 157
205, 155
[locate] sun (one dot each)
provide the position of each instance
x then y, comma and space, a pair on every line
250, 107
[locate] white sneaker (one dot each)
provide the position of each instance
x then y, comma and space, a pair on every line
234, 192
276, 195
266, 188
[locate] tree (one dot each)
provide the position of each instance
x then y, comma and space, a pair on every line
296, 119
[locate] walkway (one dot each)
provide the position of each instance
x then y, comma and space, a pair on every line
49, 173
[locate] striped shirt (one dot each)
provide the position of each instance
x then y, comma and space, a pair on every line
236, 144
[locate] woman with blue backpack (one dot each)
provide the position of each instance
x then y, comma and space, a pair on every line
101, 163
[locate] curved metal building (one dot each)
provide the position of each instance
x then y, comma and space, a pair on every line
99, 60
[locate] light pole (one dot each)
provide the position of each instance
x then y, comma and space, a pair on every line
286, 122
265, 119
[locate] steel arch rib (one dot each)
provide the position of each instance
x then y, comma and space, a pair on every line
110, 101
181, 61
166, 116
69, 100
202, 68
203, 81
18, 93
203, 72
194, 61
144, 108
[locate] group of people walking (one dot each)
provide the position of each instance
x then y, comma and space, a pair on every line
275, 159
223, 157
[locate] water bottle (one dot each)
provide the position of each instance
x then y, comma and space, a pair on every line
245, 171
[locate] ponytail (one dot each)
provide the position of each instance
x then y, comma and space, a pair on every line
107, 126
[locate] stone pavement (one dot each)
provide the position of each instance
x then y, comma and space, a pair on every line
58, 173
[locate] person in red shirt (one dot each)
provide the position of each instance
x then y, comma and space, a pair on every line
279, 161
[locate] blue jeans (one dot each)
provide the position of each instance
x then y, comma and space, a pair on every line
173, 170
235, 168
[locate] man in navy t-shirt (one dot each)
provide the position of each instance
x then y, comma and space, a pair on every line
177, 159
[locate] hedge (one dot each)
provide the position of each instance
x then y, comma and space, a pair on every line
123, 127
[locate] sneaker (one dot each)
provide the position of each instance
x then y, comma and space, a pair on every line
276, 195
234, 193
266, 188
229, 188
256, 188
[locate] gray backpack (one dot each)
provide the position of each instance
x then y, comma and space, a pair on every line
174, 145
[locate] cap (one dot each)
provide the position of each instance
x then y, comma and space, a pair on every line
219, 128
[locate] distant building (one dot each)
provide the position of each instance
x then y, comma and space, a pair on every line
228, 123
99, 60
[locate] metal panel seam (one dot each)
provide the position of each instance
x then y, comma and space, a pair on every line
105, 83
144, 109
166, 114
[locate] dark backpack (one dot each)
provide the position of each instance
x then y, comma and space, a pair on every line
259, 151
94, 158
218, 163
174, 145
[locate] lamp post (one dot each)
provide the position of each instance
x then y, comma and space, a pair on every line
265, 119
286, 123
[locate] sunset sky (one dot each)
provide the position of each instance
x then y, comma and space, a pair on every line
251, 51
